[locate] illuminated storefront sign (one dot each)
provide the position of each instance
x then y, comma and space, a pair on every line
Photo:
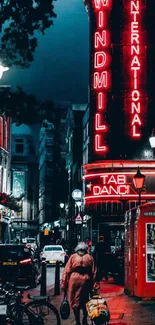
135, 68
116, 185
101, 75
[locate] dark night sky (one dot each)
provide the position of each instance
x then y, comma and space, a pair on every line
60, 69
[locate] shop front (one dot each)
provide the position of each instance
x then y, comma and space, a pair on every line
110, 191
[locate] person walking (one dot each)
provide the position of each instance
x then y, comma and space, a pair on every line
89, 244
99, 254
78, 279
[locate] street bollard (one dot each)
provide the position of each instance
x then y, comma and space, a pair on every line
43, 278
3, 314
57, 279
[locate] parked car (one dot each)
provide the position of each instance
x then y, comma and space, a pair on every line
53, 253
18, 264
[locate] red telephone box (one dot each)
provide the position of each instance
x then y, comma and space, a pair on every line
144, 251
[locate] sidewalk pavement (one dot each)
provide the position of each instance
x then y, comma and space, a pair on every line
124, 310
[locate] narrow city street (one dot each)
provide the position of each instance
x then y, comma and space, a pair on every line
51, 275
50, 280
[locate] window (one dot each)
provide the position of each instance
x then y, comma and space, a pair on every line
19, 146
53, 248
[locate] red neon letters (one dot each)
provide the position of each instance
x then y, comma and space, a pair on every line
112, 186
135, 68
101, 73
135, 58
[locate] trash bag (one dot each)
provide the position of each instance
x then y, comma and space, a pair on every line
65, 308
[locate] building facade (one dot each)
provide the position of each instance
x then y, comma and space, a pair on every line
47, 179
74, 156
6, 202
120, 116
25, 179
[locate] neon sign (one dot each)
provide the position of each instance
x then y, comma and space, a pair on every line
101, 76
136, 53
115, 185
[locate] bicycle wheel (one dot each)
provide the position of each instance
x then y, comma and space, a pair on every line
45, 310
22, 317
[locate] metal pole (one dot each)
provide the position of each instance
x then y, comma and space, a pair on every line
139, 197
57, 279
43, 278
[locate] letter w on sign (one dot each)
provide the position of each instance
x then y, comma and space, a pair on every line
101, 3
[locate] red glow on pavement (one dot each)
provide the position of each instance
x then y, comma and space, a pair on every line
101, 75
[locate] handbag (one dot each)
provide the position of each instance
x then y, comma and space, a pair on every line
65, 308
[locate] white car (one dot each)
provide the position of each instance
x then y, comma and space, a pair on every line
53, 253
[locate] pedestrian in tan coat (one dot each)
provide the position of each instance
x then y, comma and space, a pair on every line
78, 279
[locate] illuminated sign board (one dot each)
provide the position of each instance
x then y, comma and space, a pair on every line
118, 185
135, 68
18, 186
100, 70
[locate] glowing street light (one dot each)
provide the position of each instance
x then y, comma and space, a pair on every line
2, 70
138, 181
62, 205
152, 140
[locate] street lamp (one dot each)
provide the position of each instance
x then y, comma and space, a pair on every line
152, 139
2, 70
138, 181
62, 205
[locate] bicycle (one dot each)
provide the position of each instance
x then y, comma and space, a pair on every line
41, 306
39, 311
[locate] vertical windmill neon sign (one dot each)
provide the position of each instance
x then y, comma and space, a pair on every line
101, 77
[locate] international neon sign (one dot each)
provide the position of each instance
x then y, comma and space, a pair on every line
101, 76
114, 185
135, 109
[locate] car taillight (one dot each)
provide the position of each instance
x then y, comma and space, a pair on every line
26, 261
63, 254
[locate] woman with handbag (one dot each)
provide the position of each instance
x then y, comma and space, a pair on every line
78, 279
